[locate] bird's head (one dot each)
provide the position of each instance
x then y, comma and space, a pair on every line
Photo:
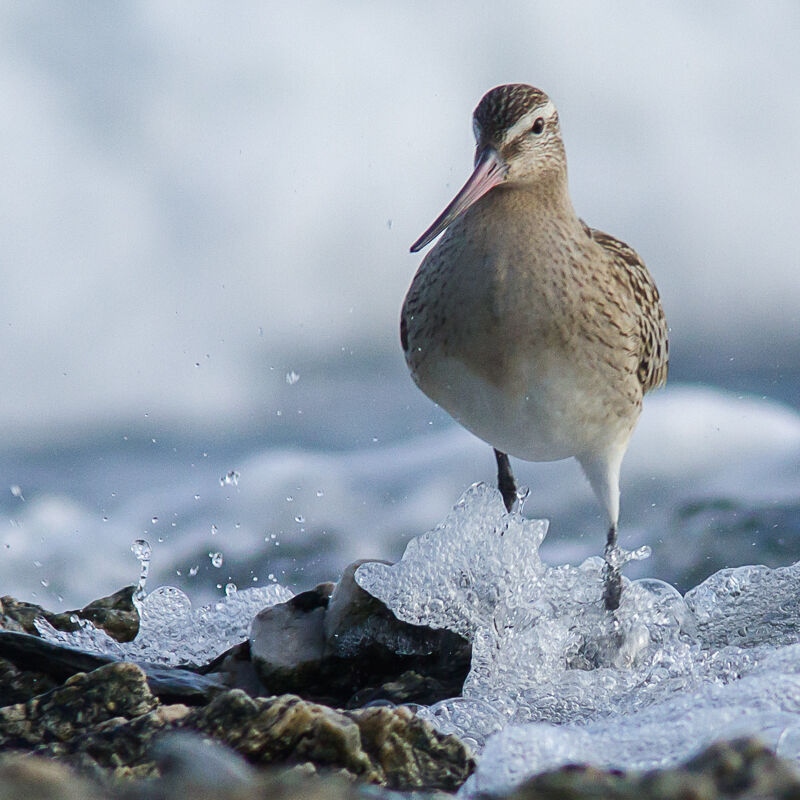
518, 140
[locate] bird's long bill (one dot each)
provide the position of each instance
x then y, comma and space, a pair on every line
489, 170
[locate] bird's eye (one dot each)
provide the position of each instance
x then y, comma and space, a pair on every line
538, 126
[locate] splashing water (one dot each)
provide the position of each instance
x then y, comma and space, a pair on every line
556, 679
142, 550
171, 632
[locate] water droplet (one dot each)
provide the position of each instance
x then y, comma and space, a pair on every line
300, 519
105, 519
523, 493
142, 550
271, 576
197, 497
292, 378
231, 477
231, 588
154, 520
320, 493
216, 559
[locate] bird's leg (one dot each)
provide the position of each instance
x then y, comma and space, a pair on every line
505, 479
612, 577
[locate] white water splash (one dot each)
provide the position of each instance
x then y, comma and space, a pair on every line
171, 632
556, 679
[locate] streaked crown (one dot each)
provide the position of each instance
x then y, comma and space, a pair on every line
504, 106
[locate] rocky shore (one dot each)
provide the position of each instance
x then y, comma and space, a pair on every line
318, 703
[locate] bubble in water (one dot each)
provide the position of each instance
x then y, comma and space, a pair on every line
231, 477
230, 588
44, 582
216, 559
17, 491
214, 530
194, 570
300, 519
320, 493
154, 520
73, 618
292, 378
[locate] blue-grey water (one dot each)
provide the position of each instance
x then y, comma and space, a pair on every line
351, 463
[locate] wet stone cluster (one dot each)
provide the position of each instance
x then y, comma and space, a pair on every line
328, 697
253, 711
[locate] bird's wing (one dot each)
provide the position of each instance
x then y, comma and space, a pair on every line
654, 353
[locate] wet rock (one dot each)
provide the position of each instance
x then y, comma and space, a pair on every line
409, 753
341, 646
53, 663
85, 700
43, 779
379, 745
410, 687
123, 748
116, 614
197, 772
742, 768
287, 641
19, 685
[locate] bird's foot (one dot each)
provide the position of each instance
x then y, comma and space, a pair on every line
612, 587
505, 480
615, 559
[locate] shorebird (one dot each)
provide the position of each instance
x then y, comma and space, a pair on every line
537, 333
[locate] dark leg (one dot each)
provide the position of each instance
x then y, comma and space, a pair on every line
612, 579
505, 479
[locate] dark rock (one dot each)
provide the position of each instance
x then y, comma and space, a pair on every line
19, 685
115, 614
119, 746
409, 753
85, 700
29, 652
377, 745
339, 647
37, 778
57, 662
287, 641
742, 768
43, 779
410, 687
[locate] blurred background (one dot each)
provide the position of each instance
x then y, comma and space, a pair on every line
205, 217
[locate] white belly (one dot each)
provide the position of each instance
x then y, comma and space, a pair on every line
545, 414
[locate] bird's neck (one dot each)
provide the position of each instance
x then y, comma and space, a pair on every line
548, 198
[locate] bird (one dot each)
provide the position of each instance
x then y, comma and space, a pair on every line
537, 333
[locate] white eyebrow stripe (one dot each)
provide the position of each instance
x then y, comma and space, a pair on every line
525, 122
